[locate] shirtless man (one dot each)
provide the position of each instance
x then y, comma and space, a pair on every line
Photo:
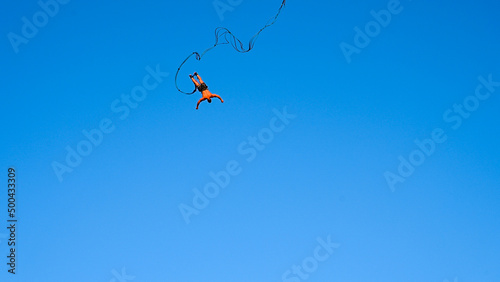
203, 88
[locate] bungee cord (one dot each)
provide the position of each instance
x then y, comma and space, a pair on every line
224, 36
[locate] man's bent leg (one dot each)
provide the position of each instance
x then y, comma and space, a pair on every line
194, 81
199, 78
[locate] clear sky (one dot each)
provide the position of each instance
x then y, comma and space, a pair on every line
358, 141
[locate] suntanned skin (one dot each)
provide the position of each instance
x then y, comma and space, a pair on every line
206, 94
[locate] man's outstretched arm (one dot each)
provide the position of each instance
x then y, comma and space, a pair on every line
199, 101
216, 96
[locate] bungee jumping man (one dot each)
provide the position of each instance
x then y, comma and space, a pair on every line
203, 88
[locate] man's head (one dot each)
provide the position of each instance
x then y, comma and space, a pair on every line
209, 100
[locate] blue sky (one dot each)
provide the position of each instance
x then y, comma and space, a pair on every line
323, 177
